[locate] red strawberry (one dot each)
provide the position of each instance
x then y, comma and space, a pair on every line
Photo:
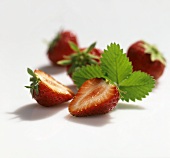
60, 47
81, 57
146, 58
46, 90
94, 97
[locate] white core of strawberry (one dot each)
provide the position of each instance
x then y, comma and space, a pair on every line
52, 83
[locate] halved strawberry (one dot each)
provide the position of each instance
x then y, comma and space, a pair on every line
95, 96
46, 90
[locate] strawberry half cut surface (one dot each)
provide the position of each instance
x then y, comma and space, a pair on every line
95, 96
46, 90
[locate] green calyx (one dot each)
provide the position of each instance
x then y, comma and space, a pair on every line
34, 79
154, 52
79, 58
55, 40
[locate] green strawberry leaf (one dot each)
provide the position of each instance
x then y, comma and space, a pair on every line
115, 64
64, 62
136, 86
74, 46
30, 72
34, 79
116, 68
90, 48
85, 73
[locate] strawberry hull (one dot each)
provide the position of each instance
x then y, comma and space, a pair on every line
95, 51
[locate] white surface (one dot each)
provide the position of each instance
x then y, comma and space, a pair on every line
27, 130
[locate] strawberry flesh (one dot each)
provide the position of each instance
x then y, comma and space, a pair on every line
94, 97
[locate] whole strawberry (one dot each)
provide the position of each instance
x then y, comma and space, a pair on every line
81, 57
146, 58
46, 90
59, 47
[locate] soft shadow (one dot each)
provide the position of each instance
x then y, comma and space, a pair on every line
73, 88
33, 112
52, 69
97, 121
124, 106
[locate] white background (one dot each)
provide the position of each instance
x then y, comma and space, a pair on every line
27, 130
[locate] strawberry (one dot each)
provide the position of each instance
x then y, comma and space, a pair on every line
146, 58
81, 57
46, 90
95, 96
59, 47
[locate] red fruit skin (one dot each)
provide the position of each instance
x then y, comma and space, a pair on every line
62, 47
95, 51
142, 61
103, 105
48, 96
